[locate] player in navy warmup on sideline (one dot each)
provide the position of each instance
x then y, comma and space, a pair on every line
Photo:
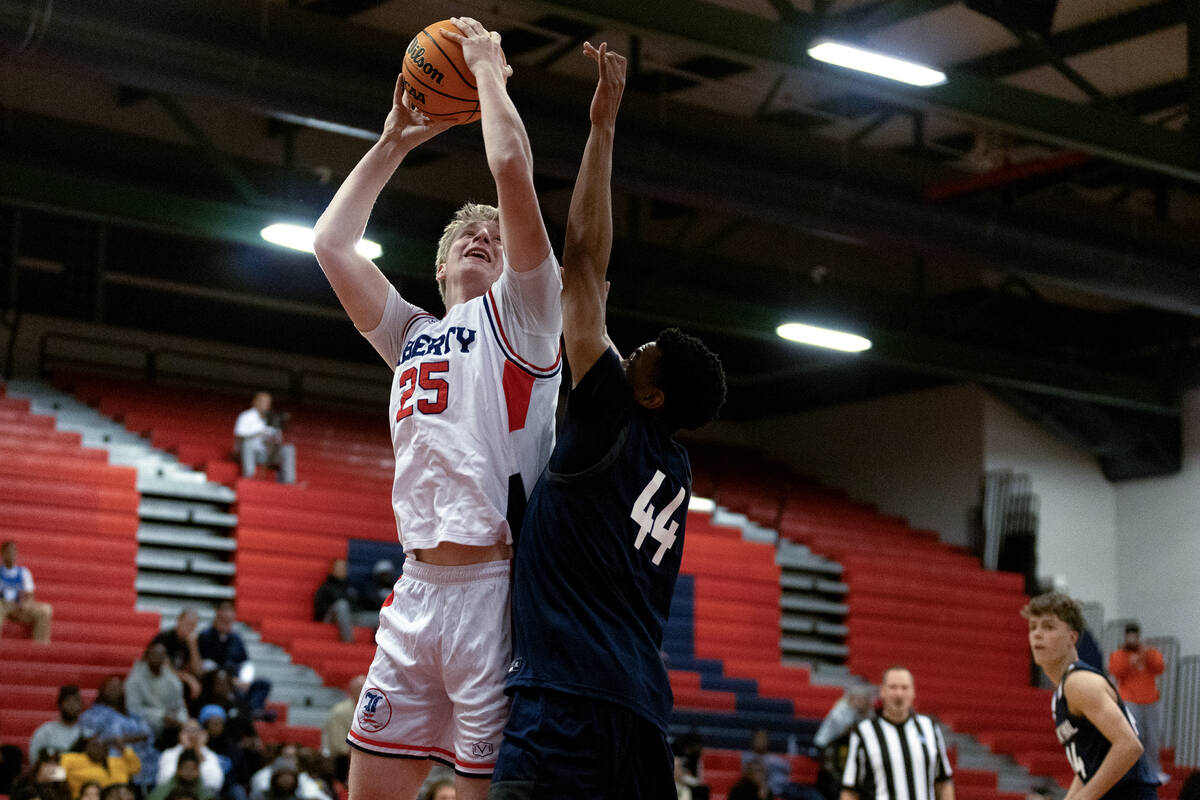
1089, 717
600, 547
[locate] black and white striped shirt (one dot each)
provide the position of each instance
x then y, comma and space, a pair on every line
887, 761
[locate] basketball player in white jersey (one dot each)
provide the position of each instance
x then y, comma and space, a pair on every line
472, 416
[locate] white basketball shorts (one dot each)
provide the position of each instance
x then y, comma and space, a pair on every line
436, 687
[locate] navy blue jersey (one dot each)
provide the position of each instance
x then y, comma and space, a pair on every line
1086, 746
599, 551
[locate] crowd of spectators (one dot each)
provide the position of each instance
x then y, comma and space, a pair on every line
180, 725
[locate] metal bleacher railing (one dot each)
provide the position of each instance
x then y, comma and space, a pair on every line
172, 364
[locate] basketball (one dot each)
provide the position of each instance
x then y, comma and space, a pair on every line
438, 81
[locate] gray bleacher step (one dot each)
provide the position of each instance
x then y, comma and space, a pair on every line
308, 716
813, 606
808, 625
262, 654
832, 587
808, 583
806, 562
827, 674
165, 510
813, 646
305, 694
180, 586
169, 608
177, 535
185, 488
166, 561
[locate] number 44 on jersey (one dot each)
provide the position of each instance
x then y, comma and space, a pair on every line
661, 528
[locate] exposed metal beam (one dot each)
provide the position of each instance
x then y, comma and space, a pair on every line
1193, 73
1083, 39
27, 187
885, 13
707, 311
337, 72
1030, 114
23, 186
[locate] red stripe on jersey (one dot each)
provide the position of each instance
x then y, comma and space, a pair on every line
518, 387
508, 345
416, 316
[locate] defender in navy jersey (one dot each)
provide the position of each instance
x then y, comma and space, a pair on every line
1090, 719
600, 547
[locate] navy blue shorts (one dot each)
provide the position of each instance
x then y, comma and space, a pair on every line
559, 745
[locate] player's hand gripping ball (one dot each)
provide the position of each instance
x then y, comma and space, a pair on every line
439, 83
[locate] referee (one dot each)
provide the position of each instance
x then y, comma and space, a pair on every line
899, 755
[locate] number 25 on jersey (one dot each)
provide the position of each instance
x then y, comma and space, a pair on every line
661, 527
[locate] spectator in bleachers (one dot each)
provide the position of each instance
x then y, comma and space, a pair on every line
97, 763
753, 784
192, 736
833, 737
90, 791
376, 591
44, 779
283, 783
1136, 668
62, 733
154, 693
118, 791
440, 790
222, 648
690, 748
337, 726
336, 600
307, 788
110, 718
186, 779
183, 651
775, 767
16, 596
258, 439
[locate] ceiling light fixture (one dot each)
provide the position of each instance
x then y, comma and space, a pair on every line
300, 237
823, 337
897, 69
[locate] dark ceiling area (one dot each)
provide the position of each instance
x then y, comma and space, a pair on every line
1032, 225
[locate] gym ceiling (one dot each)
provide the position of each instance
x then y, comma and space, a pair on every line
1032, 225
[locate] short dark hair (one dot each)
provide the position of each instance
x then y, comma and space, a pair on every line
1133, 627
1060, 605
68, 690
187, 755
891, 669
691, 378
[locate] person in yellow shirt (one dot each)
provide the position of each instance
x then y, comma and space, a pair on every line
95, 764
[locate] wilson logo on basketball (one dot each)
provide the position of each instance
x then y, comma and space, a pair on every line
417, 54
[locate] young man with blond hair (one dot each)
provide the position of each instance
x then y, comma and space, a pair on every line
1090, 719
472, 423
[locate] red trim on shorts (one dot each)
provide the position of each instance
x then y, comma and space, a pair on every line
394, 746
424, 749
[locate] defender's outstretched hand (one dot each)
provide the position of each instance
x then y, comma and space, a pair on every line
610, 83
480, 46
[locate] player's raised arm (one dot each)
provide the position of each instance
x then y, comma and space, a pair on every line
1088, 694
589, 223
357, 282
510, 160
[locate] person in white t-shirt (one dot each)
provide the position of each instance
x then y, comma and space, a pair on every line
260, 442
472, 423
16, 596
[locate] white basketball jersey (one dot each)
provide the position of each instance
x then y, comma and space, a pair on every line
472, 407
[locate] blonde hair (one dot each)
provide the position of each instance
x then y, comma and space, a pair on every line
1060, 605
468, 214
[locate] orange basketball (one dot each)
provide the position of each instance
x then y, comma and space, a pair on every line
439, 84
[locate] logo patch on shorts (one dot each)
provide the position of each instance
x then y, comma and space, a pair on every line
374, 712
482, 749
